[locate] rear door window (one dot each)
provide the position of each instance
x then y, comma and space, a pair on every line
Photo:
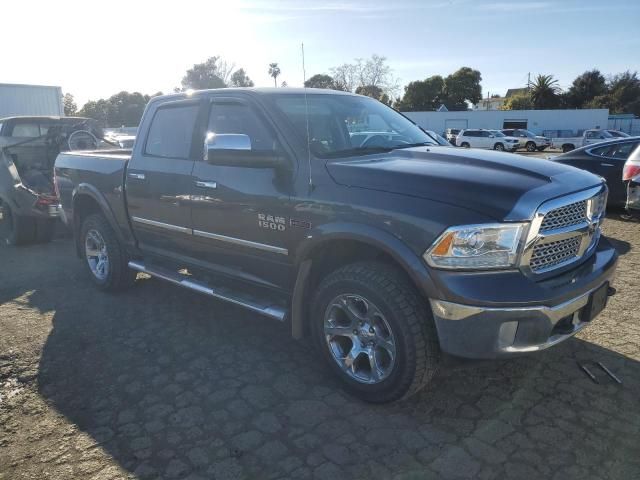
620, 151
171, 131
26, 129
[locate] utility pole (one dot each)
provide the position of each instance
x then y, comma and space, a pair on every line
529, 82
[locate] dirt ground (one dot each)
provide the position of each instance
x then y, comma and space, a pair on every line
159, 382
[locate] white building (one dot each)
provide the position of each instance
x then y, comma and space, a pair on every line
491, 103
538, 121
16, 99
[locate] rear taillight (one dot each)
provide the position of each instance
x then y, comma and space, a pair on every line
631, 169
46, 200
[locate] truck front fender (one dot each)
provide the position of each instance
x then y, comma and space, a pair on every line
400, 252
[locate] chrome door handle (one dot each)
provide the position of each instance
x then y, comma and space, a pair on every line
206, 184
137, 176
607, 165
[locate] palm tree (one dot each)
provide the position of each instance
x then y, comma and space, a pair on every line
544, 92
274, 71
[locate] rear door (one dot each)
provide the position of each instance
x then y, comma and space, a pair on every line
159, 181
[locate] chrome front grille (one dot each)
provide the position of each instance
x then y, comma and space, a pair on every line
564, 231
567, 216
547, 255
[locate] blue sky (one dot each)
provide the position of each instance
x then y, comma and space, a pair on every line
147, 46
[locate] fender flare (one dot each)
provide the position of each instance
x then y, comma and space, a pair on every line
85, 189
402, 254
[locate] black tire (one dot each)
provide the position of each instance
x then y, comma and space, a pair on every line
45, 229
530, 146
408, 316
118, 275
465, 145
499, 147
567, 148
19, 229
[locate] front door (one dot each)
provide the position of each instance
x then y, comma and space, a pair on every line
159, 181
241, 214
608, 162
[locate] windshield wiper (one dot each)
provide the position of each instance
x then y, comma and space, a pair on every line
411, 145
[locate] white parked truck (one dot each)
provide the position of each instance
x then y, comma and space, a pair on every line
594, 135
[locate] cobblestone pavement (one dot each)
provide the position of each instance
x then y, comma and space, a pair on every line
160, 382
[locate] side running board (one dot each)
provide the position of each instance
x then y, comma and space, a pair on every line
253, 304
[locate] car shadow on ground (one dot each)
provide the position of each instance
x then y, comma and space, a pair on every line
172, 384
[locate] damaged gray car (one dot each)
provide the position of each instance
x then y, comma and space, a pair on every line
28, 148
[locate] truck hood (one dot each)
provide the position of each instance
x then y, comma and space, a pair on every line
503, 186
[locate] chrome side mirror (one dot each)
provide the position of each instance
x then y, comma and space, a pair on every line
225, 142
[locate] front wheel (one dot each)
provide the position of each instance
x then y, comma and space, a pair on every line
104, 257
499, 147
465, 145
530, 146
375, 331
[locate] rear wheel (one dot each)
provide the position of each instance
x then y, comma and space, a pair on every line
18, 229
499, 147
465, 145
105, 258
375, 331
530, 146
567, 148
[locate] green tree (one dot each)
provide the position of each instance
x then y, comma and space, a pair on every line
69, 104
624, 90
518, 102
320, 80
212, 73
545, 92
374, 92
239, 78
461, 87
123, 108
421, 95
274, 71
585, 88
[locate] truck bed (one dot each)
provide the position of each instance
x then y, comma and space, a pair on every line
100, 172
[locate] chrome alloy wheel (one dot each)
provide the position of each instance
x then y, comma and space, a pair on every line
359, 338
96, 253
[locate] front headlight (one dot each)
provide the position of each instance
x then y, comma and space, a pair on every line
477, 247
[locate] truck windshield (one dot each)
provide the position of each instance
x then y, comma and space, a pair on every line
343, 125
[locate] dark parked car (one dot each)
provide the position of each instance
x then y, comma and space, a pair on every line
606, 159
386, 249
28, 149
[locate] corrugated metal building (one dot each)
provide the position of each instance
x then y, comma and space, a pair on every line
538, 121
17, 99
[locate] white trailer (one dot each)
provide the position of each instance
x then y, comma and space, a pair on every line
17, 99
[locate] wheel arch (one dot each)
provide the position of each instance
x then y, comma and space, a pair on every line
338, 244
86, 200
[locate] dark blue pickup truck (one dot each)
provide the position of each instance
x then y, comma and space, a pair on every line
338, 215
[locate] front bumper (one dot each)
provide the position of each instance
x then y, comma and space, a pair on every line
548, 313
